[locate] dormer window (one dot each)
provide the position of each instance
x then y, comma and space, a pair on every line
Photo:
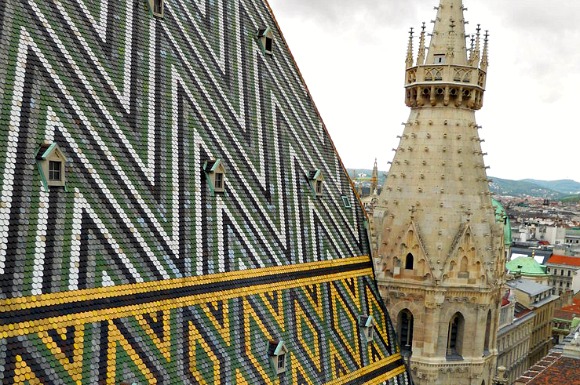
215, 172
51, 165
157, 7
367, 324
316, 182
439, 59
266, 40
278, 353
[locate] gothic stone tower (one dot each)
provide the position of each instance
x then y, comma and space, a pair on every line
438, 246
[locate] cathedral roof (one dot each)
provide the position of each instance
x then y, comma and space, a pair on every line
189, 244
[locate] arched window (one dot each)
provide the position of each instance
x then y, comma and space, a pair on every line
409, 261
455, 336
405, 323
487, 333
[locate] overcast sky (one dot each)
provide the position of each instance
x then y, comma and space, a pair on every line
352, 56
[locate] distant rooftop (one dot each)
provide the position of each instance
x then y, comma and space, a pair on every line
529, 287
526, 266
559, 367
541, 256
564, 260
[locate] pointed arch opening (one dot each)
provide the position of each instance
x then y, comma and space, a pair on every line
487, 334
455, 337
406, 324
409, 262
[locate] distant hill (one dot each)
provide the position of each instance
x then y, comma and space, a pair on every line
518, 188
566, 190
565, 186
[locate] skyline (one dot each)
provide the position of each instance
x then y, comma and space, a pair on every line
362, 46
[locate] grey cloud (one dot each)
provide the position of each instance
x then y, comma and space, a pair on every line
336, 13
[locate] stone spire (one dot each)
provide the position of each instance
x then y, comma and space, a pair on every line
421, 54
449, 34
476, 50
375, 179
446, 75
484, 58
438, 243
409, 60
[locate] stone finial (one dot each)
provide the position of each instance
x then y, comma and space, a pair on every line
484, 60
409, 60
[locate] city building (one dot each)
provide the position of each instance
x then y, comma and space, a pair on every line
563, 271
439, 247
559, 367
540, 255
532, 296
528, 268
565, 320
172, 208
513, 338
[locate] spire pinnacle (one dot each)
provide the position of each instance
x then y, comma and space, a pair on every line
421, 54
443, 74
409, 60
471, 50
476, 52
448, 38
484, 59
375, 178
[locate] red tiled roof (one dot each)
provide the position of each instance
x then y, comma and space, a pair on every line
565, 315
564, 260
553, 370
574, 308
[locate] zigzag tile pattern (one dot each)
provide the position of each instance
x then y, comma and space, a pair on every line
137, 271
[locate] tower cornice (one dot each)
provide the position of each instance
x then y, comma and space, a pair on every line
445, 76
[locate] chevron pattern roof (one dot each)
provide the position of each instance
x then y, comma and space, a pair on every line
138, 271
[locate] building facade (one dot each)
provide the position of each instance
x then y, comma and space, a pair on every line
539, 299
439, 248
172, 208
513, 339
563, 273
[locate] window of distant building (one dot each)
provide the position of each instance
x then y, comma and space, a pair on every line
569, 273
51, 164
266, 40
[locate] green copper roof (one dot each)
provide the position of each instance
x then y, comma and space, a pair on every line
526, 266
502, 217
